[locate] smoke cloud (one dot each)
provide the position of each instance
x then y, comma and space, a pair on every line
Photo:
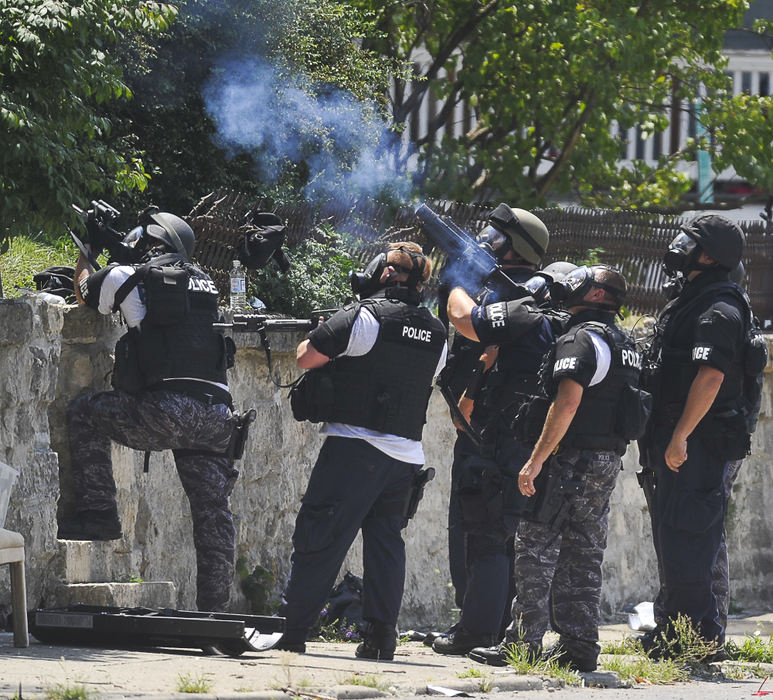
342, 144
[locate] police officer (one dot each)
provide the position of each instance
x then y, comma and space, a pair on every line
371, 370
560, 543
508, 350
698, 428
170, 392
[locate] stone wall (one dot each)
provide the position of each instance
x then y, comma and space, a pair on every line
49, 354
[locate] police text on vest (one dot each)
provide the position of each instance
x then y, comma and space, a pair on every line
701, 352
565, 363
631, 358
417, 333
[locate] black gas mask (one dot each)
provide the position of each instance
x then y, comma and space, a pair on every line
495, 242
136, 246
571, 289
682, 255
538, 287
367, 283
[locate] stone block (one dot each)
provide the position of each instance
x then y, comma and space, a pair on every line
148, 594
17, 321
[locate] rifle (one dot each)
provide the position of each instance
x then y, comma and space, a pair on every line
262, 324
477, 261
101, 235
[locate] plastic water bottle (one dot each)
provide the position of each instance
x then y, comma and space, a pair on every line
238, 287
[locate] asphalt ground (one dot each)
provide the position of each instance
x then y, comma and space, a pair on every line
327, 670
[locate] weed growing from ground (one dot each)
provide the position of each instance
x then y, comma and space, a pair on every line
186, 683
645, 670
470, 673
367, 681
520, 658
62, 691
753, 648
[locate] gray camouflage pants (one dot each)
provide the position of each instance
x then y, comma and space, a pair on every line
558, 572
161, 420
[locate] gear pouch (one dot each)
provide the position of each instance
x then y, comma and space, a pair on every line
166, 295
634, 408
312, 396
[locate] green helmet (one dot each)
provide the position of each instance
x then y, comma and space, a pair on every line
528, 236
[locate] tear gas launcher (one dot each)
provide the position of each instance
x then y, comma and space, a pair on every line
469, 261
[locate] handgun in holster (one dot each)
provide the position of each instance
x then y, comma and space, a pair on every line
648, 482
241, 429
420, 480
551, 504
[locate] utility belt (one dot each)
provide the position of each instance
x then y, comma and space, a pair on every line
555, 486
410, 504
209, 394
240, 428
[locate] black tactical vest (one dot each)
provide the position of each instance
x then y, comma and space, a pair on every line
388, 388
175, 340
594, 426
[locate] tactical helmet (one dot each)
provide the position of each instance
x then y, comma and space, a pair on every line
528, 235
720, 238
571, 290
169, 229
556, 271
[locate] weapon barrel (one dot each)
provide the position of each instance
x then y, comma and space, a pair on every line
457, 244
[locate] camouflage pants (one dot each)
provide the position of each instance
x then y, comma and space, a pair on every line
558, 572
161, 420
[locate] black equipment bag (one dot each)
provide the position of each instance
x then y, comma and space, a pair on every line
264, 235
58, 280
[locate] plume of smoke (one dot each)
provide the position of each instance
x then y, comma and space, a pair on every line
343, 144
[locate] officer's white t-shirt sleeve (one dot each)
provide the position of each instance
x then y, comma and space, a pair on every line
363, 336
132, 308
603, 358
442, 361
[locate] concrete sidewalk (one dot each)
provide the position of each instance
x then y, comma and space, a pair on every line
326, 670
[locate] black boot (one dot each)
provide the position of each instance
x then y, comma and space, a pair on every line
91, 525
462, 642
287, 645
573, 660
380, 642
498, 655
430, 638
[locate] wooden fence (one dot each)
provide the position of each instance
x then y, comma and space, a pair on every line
631, 241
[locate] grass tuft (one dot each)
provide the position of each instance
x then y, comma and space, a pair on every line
62, 691
645, 670
753, 648
186, 683
367, 681
520, 658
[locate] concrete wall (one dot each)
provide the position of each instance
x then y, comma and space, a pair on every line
49, 354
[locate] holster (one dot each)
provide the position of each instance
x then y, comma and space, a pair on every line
550, 504
420, 480
648, 482
241, 429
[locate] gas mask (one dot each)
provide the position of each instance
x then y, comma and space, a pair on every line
571, 290
496, 242
682, 255
365, 284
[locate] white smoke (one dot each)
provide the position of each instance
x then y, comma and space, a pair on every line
346, 148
